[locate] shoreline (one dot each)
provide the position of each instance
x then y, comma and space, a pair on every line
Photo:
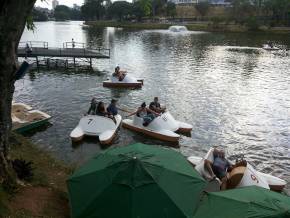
194, 26
45, 195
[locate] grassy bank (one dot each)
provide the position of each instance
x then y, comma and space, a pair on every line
45, 195
194, 26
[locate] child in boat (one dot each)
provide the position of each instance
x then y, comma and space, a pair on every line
155, 106
145, 113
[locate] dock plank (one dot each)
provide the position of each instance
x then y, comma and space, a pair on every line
63, 52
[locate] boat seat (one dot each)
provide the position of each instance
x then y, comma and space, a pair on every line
235, 176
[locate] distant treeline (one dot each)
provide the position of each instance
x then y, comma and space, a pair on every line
123, 10
60, 13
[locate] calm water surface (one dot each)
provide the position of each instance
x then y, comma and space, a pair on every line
234, 93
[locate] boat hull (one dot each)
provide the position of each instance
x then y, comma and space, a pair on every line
169, 137
110, 84
97, 126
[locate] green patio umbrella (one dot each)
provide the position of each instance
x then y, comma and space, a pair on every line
246, 202
138, 180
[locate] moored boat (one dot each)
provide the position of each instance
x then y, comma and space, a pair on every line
270, 48
162, 127
127, 82
24, 118
98, 126
242, 175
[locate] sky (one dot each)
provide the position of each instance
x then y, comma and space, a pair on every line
47, 3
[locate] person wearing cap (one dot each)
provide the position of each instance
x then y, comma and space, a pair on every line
146, 113
155, 106
112, 108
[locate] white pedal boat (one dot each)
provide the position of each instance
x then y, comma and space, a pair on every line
241, 176
92, 125
270, 48
127, 82
162, 127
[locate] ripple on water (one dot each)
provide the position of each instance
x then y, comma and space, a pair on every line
235, 94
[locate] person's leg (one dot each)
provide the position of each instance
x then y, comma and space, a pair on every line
224, 183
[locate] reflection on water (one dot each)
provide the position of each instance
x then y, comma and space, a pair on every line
234, 93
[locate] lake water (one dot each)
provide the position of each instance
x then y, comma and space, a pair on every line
233, 93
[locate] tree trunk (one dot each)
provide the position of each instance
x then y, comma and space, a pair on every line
13, 16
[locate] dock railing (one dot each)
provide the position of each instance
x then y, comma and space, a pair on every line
34, 44
69, 49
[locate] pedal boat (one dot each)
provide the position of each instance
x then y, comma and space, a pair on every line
97, 126
242, 175
162, 127
24, 118
269, 48
127, 82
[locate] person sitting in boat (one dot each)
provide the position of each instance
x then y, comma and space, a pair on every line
147, 114
270, 44
93, 108
112, 108
101, 111
217, 166
155, 106
119, 74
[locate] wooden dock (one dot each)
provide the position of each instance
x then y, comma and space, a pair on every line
74, 50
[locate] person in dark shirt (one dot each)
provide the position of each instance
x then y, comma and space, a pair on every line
93, 108
155, 106
218, 166
112, 108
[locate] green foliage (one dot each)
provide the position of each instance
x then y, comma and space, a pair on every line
39, 15
252, 23
202, 7
61, 13
29, 23
120, 9
93, 10
146, 6
170, 9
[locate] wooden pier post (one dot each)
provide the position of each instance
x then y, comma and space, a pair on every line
74, 62
91, 63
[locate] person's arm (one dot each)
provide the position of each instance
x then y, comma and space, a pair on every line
207, 166
90, 109
121, 109
153, 112
131, 114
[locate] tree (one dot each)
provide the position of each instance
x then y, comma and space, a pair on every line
62, 12
120, 9
39, 15
93, 10
171, 9
202, 7
13, 16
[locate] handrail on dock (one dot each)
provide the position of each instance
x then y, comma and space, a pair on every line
34, 44
74, 45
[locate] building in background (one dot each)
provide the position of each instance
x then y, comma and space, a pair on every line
54, 4
212, 2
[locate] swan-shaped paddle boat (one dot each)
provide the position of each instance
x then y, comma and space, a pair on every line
270, 48
243, 174
128, 82
99, 126
163, 127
